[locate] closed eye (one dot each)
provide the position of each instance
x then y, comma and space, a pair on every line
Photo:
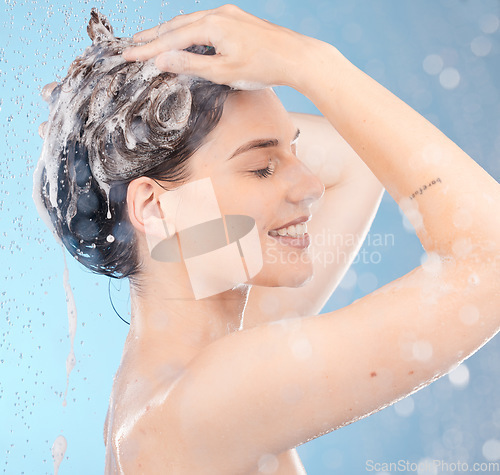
264, 172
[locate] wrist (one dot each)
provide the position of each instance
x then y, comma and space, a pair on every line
311, 70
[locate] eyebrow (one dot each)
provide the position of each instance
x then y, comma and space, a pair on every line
260, 143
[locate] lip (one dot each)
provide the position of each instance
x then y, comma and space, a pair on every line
302, 242
301, 219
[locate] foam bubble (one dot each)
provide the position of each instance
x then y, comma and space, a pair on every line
247, 85
69, 99
58, 450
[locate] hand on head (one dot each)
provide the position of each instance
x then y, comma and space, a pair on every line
251, 53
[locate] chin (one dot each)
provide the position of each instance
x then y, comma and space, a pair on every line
284, 275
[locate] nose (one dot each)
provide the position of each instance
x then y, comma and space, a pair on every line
304, 186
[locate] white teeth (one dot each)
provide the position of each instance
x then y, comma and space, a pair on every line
291, 231
297, 230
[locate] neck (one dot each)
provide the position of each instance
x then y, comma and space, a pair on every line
166, 315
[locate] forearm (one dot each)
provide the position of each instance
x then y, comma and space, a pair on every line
405, 152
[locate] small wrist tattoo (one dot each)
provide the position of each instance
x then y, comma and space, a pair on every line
423, 188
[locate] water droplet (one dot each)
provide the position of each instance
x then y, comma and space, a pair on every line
449, 78
469, 314
268, 464
301, 348
459, 377
367, 282
422, 350
431, 262
481, 46
491, 449
349, 280
405, 407
489, 23
474, 279
110, 238
433, 64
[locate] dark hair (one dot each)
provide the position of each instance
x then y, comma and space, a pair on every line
111, 122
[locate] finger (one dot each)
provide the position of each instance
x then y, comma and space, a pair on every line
147, 35
42, 129
179, 39
174, 23
47, 90
182, 62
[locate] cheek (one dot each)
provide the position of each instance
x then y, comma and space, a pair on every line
250, 202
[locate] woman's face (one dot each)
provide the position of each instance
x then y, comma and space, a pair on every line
250, 158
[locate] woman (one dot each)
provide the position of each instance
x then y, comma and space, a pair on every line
233, 381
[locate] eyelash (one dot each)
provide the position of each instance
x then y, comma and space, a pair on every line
265, 172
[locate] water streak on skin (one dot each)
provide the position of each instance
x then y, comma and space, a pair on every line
126, 425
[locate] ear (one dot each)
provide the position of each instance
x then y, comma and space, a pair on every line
142, 194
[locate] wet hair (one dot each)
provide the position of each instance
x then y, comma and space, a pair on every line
111, 122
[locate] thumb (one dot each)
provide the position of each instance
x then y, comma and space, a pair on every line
183, 62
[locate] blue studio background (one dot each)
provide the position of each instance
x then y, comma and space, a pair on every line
440, 56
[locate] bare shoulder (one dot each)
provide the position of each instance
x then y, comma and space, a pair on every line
160, 428
143, 434
139, 387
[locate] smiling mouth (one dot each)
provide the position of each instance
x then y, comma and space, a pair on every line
295, 231
293, 235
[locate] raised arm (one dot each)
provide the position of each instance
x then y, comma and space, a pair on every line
278, 385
